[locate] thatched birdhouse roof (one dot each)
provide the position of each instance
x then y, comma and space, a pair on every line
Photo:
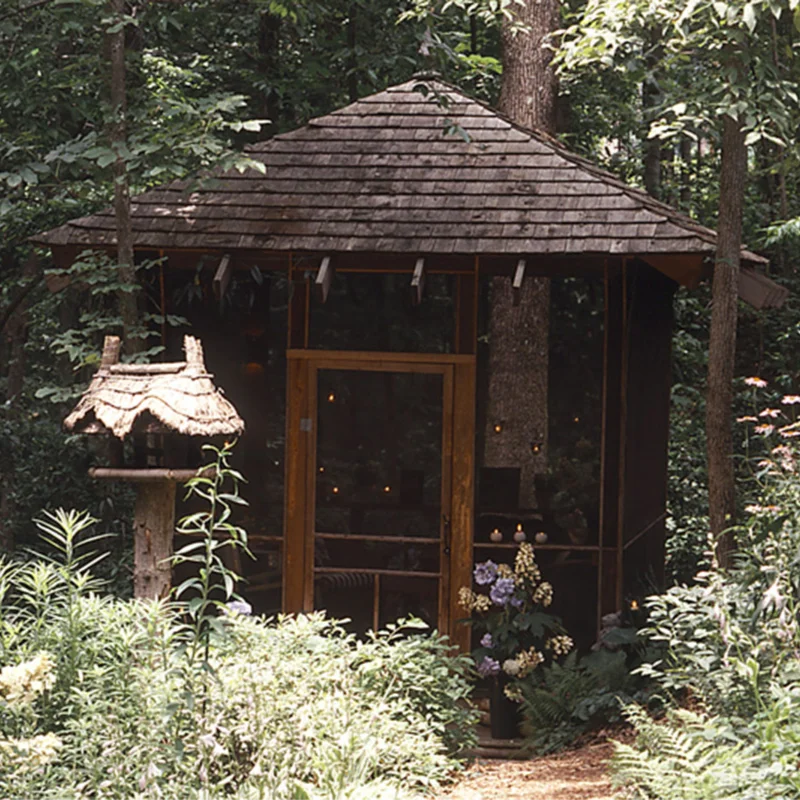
180, 396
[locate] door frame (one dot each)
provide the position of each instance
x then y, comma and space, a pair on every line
458, 470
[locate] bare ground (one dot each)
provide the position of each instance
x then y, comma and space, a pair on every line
580, 774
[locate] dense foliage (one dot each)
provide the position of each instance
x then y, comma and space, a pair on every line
111, 699
732, 645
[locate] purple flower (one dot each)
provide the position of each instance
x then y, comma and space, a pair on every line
488, 667
485, 573
517, 602
502, 590
234, 607
486, 640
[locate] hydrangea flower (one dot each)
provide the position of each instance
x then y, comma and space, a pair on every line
517, 602
489, 666
502, 591
485, 573
512, 667
486, 640
239, 607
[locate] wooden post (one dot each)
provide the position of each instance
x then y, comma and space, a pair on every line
153, 526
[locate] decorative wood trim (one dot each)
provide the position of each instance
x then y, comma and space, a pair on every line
519, 277
418, 281
367, 359
324, 279
222, 277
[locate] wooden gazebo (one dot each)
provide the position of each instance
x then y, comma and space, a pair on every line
373, 236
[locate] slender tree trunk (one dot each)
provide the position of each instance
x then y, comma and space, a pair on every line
352, 57
122, 198
519, 333
686, 174
269, 42
16, 331
722, 343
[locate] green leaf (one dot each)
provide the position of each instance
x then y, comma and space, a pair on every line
749, 16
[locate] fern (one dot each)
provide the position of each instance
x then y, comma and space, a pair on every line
688, 756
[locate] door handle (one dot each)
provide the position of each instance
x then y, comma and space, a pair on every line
446, 532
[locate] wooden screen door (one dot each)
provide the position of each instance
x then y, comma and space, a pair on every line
379, 486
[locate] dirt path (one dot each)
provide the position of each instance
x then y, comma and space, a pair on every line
574, 775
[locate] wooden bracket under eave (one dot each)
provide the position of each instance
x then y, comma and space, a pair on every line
222, 277
519, 277
418, 281
324, 278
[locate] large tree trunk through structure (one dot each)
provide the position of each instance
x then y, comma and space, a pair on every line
154, 523
516, 420
722, 343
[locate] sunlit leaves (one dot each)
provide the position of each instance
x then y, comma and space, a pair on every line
714, 58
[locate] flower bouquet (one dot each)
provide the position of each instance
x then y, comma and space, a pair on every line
508, 608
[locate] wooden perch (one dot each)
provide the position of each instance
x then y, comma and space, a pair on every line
222, 277
418, 281
324, 278
519, 277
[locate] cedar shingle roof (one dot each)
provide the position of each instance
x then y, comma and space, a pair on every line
382, 175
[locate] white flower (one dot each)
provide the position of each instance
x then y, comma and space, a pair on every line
22, 683
512, 667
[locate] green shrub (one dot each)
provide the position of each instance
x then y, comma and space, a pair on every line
296, 707
733, 645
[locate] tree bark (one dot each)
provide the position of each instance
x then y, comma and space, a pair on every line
153, 526
722, 342
519, 333
529, 87
122, 198
17, 332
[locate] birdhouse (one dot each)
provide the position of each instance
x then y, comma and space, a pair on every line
164, 410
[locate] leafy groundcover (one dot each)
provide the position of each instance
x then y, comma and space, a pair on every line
102, 698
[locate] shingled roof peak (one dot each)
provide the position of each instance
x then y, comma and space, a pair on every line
401, 172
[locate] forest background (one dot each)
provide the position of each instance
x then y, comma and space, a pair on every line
206, 78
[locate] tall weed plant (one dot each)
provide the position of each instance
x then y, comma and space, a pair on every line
733, 647
193, 698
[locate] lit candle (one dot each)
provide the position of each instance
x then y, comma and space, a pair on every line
519, 534
496, 536
331, 398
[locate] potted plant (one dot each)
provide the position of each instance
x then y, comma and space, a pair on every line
507, 608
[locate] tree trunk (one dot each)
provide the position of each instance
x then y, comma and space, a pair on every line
722, 342
122, 198
16, 330
529, 88
519, 333
153, 528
